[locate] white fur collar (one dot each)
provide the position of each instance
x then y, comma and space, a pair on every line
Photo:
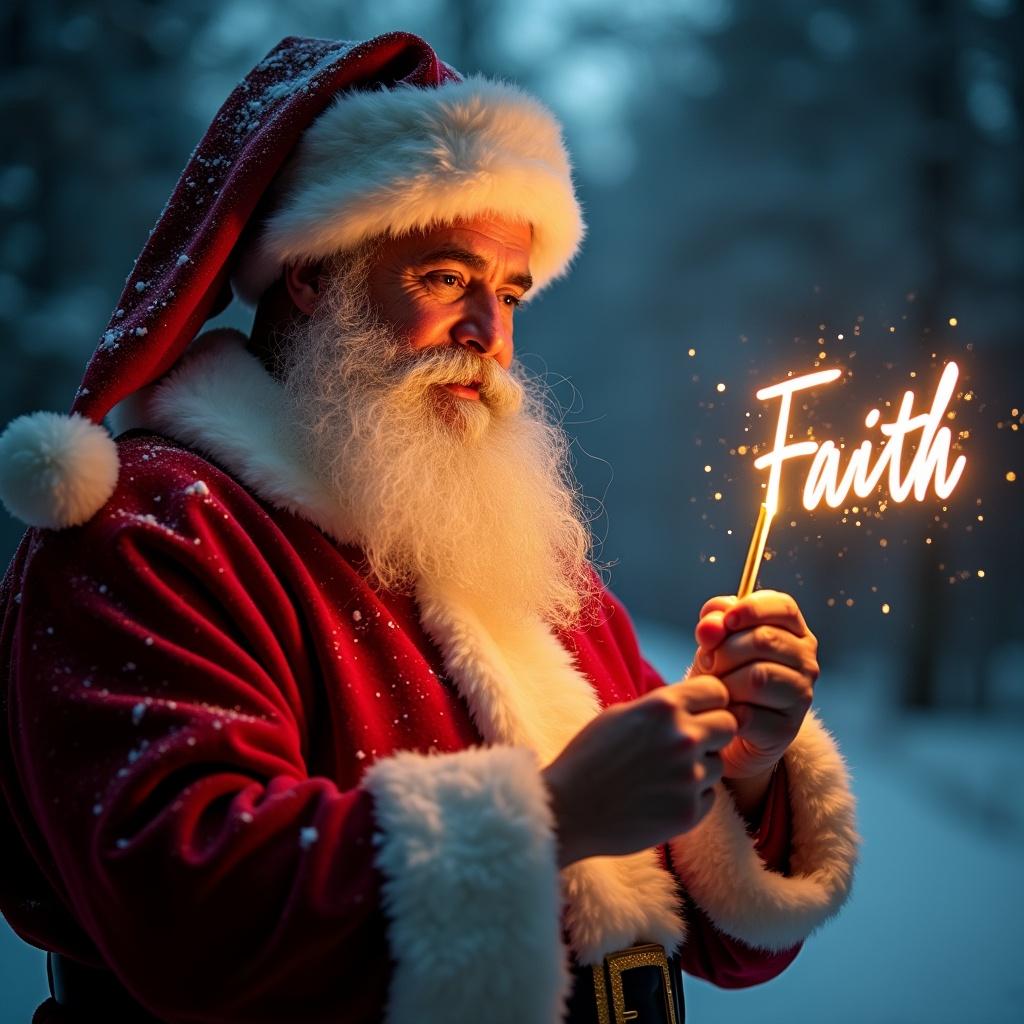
220, 401
520, 683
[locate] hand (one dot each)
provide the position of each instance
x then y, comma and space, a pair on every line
761, 649
641, 772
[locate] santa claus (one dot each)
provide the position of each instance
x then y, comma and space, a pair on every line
316, 708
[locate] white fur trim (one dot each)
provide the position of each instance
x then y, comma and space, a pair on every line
720, 869
220, 401
392, 161
56, 470
471, 889
522, 688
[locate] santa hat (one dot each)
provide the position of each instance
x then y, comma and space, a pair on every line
322, 145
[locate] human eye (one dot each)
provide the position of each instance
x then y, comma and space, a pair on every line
445, 279
511, 300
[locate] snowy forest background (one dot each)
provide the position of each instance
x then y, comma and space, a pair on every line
762, 182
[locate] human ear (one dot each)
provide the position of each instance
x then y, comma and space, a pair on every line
303, 283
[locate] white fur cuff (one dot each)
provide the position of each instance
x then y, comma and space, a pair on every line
471, 887
722, 872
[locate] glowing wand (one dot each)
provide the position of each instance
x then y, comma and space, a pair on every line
755, 551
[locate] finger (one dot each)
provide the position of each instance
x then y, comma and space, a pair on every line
718, 604
708, 769
769, 685
761, 727
766, 607
762, 643
711, 631
713, 729
703, 661
702, 693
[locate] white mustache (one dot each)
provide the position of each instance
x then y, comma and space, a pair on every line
427, 368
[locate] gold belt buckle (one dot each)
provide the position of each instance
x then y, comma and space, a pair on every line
608, 993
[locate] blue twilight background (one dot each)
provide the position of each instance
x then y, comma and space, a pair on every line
763, 183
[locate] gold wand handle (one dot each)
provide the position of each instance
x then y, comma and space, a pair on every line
754, 552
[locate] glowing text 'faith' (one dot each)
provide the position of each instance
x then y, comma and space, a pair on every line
827, 479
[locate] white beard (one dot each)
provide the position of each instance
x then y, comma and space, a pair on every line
435, 487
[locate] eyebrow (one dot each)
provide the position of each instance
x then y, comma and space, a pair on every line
471, 259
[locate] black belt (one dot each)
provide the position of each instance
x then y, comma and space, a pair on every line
640, 984
92, 994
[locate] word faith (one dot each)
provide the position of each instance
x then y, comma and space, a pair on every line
826, 478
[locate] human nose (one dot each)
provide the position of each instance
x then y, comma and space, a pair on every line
482, 330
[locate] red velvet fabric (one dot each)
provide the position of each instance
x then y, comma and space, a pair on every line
193, 685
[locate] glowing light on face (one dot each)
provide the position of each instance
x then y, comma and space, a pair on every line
827, 479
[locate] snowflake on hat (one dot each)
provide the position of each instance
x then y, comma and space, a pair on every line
322, 145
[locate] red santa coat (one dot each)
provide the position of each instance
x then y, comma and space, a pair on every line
258, 790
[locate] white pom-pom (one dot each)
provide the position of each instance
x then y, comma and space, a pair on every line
56, 470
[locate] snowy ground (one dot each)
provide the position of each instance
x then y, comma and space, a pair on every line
931, 934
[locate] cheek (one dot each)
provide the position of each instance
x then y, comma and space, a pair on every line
425, 329
421, 325
407, 312
507, 353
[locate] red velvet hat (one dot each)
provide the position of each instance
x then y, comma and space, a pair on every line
322, 145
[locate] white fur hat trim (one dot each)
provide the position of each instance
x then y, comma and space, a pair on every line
392, 161
56, 470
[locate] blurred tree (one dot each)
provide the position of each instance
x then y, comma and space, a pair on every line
970, 212
938, 156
